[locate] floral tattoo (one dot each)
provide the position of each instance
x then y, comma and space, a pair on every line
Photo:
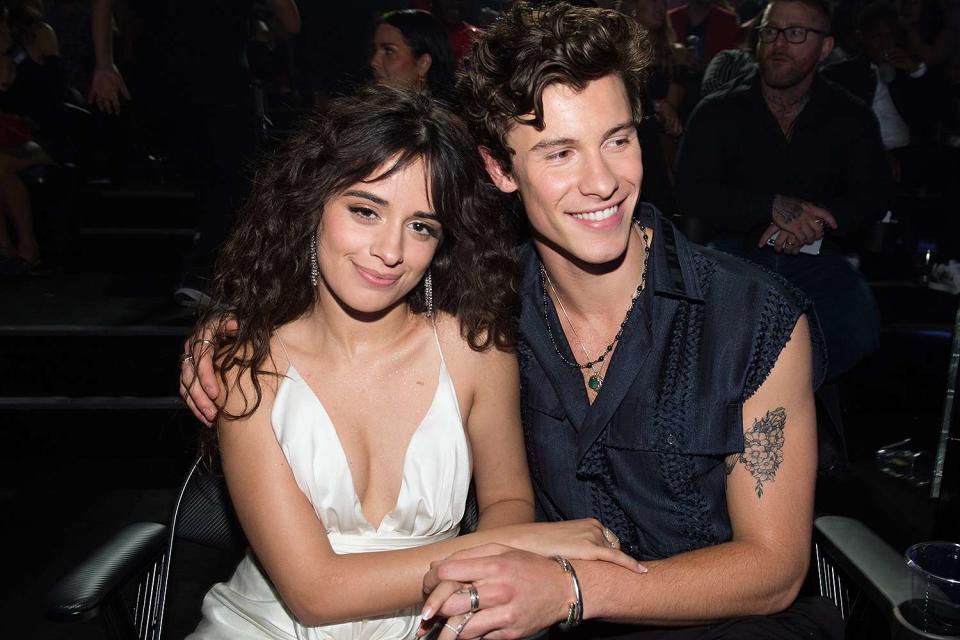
762, 448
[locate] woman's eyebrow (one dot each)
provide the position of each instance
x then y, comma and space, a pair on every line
368, 196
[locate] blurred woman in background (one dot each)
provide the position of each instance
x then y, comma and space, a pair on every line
411, 51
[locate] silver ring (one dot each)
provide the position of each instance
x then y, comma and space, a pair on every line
456, 634
474, 598
186, 356
789, 244
820, 221
202, 341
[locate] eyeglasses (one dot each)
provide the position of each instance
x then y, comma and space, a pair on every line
793, 35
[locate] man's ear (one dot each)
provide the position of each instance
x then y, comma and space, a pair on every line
826, 48
495, 170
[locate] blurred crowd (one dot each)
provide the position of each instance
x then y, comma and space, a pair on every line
176, 91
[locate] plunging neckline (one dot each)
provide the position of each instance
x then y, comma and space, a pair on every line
358, 505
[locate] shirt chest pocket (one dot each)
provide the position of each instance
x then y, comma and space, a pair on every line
713, 431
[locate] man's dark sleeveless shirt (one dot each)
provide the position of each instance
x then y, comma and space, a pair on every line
647, 458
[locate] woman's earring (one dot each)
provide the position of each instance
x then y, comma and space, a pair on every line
428, 293
314, 263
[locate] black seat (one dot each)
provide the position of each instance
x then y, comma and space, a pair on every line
126, 582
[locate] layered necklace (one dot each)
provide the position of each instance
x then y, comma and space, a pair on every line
595, 381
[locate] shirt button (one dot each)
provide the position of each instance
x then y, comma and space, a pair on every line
671, 439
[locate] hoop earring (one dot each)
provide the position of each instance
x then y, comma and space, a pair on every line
428, 293
314, 263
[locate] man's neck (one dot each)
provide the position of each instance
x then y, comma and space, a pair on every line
601, 293
786, 104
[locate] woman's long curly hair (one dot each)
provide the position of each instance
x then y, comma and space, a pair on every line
263, 272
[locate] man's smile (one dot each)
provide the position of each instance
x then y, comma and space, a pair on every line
597, 215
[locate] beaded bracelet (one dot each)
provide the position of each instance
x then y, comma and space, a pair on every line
574, 609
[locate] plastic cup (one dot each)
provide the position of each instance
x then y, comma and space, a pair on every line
935, 587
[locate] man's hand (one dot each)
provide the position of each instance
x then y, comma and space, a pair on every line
805, 221
106, 87
520, 593
199, 386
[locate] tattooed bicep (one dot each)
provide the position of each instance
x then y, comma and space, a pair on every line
762, 448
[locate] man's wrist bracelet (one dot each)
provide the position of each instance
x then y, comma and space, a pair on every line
574, 609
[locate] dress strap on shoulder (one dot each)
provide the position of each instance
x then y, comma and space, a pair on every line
283, 346
436, 336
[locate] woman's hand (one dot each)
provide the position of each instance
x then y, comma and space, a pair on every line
585, 539
438, 595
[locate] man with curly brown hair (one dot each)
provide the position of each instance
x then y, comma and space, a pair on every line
667, 388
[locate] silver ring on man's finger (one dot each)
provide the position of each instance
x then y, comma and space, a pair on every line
789, 243
820, 221
474, 598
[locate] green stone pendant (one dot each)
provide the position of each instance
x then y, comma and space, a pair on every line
595, 382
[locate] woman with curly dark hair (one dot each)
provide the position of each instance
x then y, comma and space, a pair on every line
369, 375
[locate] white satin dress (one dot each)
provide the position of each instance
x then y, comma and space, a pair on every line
436, 477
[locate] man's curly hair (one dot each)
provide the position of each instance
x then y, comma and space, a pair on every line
515, 60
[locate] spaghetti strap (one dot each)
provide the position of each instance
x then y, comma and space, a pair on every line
437, 338
286, 354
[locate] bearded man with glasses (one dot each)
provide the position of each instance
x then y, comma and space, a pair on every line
785, 166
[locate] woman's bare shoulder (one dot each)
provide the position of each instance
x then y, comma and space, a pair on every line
456, 345
244, 385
